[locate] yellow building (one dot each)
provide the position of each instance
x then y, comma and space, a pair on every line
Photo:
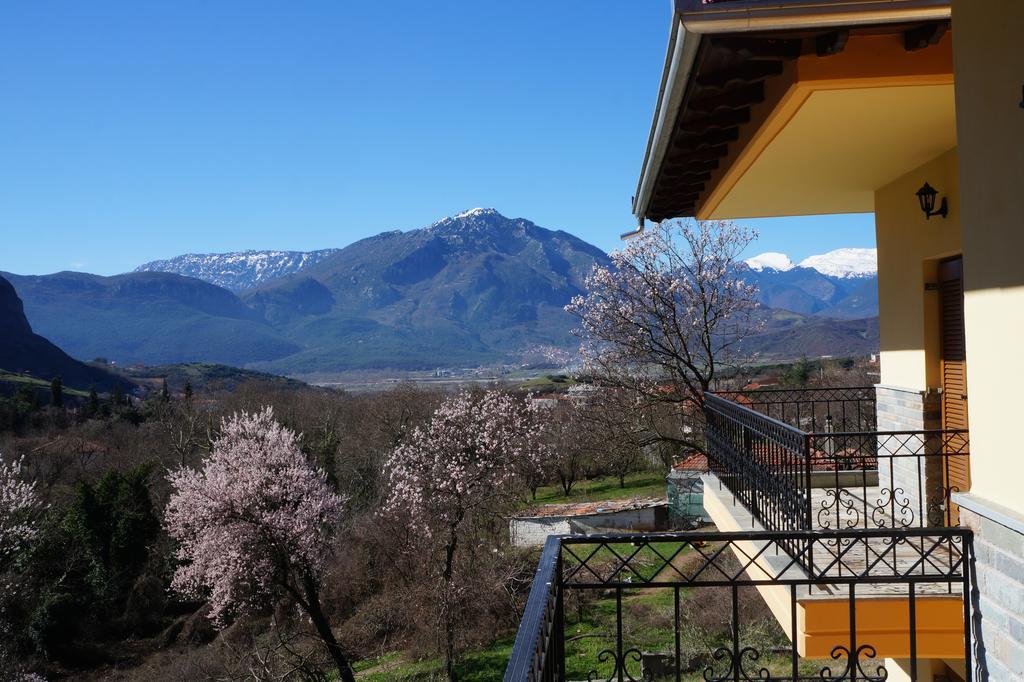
800, 107
883, 526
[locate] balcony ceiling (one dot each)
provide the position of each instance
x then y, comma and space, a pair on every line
839, 147
801, 123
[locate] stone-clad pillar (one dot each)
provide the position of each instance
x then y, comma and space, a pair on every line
910, 484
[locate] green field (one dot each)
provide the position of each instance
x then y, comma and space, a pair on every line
641, 484
23, 380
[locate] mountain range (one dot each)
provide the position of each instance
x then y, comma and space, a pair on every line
841, 284
474, 288
147, 317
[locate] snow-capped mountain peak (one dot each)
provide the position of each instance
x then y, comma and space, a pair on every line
239, 270
473, 212
772, 260
844, 263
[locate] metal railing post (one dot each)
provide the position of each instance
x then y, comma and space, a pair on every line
809, 520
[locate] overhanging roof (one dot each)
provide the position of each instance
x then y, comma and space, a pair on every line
726, 58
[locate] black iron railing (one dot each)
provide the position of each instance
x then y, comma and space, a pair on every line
792, 479
813, 409
608, 580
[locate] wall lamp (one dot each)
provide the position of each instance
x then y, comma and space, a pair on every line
926, 196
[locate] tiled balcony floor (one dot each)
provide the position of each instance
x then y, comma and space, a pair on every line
858, 508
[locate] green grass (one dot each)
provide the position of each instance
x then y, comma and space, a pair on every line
643, 484
8, 377
483, 665
547, 382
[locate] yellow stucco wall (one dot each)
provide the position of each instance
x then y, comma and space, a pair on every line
989, 69
909, 248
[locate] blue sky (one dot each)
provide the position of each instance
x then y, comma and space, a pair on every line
132, 131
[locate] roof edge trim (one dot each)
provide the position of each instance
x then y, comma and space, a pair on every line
752, 15
682, 52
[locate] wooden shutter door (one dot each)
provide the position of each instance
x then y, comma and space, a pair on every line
953, 353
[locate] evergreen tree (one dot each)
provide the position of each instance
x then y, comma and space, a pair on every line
165, 395
57, 392
94, 401
798, 374
117, 398
34, 403
188, 391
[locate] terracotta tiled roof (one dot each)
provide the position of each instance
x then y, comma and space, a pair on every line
695, 462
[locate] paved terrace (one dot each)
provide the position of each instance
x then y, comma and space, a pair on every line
856, 508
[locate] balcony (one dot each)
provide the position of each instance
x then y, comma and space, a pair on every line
813, 459
847, 533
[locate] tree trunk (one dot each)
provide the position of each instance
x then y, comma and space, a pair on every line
449, 621
323, 628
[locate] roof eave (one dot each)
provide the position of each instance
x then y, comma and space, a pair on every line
692, 19
682, 51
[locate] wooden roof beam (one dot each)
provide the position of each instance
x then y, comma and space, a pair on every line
759, 48
831, 43
725, 119
660, 212
923, 36
714, 138
737, 98
746, 72
685, 170
710, 154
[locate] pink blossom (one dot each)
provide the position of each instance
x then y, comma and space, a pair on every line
257, 518
19, 509
474, 455
669, 310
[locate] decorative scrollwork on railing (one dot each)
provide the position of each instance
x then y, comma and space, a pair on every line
854, 663
722, 653
892, 510
734, 666
620, 670
756, 675
940, 508
840, 506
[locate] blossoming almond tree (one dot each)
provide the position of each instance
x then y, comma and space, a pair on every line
465, 469
664, 316
255, 524
19, 509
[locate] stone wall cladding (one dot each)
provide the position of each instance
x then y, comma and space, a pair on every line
999, 599
900, 409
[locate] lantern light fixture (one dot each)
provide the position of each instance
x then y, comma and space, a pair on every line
926, 197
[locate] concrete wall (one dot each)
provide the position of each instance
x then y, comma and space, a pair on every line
534, 530
909, 248
989, 69
988, 65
